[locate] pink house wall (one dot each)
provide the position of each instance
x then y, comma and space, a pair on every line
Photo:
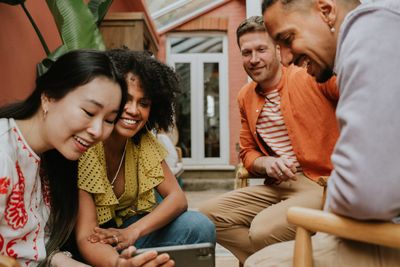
20, 48
236, 75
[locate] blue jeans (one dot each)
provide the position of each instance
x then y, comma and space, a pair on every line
191, 227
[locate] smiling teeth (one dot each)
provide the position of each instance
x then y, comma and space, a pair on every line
81, 141
131, 122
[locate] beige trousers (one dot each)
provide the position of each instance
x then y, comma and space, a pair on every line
254, 217
328, 251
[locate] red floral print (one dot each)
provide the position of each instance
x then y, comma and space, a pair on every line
24, 147
1, 242
9, 248
46, 191
15, 213
4, 184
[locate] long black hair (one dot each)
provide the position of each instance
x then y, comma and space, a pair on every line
70, 71
159, 82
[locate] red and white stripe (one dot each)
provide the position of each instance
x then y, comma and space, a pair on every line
272, 129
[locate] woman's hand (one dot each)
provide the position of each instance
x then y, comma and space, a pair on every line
119, 238
147, 259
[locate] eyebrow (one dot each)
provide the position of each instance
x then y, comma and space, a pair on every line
98, 104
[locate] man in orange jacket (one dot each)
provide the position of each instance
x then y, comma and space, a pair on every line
288, 133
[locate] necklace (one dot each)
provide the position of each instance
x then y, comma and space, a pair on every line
119, 167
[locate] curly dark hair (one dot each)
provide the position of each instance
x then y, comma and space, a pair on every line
158, 80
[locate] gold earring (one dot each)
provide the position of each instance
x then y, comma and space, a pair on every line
331, 28
45, 111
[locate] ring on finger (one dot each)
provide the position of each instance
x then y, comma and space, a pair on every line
115, 239
280, 174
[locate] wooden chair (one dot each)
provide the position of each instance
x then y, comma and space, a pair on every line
309, 221
242, 180
6, 261
242, 176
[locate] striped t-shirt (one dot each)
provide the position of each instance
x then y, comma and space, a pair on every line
272, 129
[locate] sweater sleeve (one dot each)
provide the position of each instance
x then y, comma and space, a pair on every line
365, 182
330, 89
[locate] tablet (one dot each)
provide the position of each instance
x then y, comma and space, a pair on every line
195, 255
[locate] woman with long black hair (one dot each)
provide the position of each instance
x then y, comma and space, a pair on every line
74, 105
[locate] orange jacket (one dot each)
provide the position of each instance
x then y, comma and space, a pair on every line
308, 109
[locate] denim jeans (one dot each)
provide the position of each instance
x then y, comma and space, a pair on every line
191, 227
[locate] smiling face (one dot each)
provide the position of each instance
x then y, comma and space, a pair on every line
136, 111
304, 37
82, 118
260, 58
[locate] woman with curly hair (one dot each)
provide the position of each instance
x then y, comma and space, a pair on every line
117, 178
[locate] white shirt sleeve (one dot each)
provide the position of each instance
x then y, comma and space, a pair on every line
172, 159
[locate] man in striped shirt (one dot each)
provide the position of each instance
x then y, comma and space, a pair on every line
288, 134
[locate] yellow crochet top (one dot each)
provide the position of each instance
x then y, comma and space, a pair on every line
143, 172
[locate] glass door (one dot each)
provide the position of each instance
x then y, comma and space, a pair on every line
202, 106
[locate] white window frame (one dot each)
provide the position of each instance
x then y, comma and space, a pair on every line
196, 61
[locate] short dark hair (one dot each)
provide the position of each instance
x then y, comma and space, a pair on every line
267, 3
285, 3
158, 80
252, 24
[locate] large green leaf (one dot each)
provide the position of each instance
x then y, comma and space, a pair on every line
99, 9
12, 2
77, 26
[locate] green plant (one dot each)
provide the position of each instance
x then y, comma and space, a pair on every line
76, 22
38, 33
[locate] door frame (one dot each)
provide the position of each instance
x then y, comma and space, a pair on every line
197, 61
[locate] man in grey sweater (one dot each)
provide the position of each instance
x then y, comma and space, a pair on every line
360, 43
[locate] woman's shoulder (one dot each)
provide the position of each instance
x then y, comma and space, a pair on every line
8, 137
150, 143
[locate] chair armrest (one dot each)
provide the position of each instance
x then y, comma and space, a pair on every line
241, 176
6, 261
379, 233
241, 172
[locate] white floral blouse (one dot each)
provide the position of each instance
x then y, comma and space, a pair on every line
24, 203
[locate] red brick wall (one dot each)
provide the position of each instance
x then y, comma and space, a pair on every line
236, 75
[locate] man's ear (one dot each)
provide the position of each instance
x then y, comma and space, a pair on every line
278, 52
327, 10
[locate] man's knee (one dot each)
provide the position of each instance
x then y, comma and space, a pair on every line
278, 255
207, 208
268, 233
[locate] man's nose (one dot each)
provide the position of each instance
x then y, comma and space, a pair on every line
254, 57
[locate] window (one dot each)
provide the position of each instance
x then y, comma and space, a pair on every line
202, 108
